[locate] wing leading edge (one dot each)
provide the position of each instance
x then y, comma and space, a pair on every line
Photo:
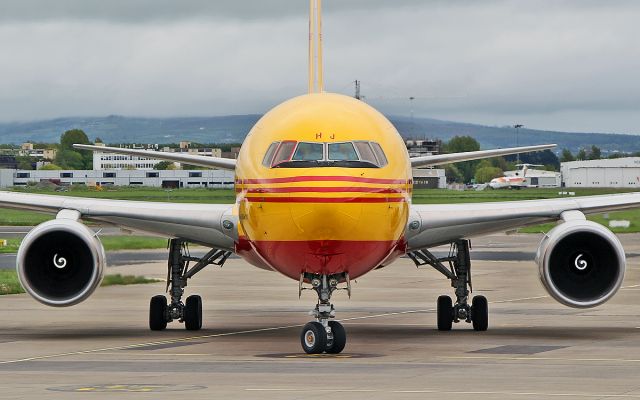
207, 224
434, 224
439, 159
202, 161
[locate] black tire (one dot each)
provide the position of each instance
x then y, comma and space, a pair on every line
158, 313
339, 338
313, 338
480, 313
193, 313
445, 313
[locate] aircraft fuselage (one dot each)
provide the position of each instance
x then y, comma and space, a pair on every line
336, 214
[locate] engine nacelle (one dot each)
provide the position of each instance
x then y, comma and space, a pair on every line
60, 262
581, 263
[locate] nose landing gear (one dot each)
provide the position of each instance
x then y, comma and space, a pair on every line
459, 272
323, 335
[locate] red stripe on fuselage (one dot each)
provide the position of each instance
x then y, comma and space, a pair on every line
322, 179
315, 189
326, 199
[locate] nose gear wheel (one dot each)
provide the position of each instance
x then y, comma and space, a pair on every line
323, 335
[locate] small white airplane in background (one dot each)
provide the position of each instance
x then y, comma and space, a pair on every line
517, 181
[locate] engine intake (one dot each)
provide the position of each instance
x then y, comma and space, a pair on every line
60, 262
581, 263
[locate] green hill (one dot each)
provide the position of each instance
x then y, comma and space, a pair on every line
233, 129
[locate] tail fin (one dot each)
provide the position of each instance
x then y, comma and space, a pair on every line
316, 72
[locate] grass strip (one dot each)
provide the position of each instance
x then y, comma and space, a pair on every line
110, 243
9, 283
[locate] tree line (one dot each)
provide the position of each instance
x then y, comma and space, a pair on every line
70, 158
483, 171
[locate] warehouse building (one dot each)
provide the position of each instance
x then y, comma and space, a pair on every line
429, 178
166, 178
612, 173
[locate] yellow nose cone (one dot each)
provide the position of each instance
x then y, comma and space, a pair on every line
326, 221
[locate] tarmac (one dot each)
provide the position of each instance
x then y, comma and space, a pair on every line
249, 346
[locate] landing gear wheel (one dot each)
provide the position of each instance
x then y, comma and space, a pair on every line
339, 338
480, 313
313, 338
445, 313
158, 313
193, 313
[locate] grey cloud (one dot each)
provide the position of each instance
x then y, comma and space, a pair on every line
136, 11
548, 64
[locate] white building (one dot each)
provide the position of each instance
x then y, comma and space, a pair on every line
26, 149
613, 173
166, 178
537, 177
103, 161
205, 151
429, 178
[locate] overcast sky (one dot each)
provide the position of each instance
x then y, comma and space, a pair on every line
564, 65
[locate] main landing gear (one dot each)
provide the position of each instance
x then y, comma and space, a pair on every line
189, 312
459, 272
323, 335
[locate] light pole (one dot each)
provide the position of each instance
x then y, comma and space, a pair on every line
411, 125
517, 127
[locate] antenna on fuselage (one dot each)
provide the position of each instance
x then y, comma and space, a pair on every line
316, 76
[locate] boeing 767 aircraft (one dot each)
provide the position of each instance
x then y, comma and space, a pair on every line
323, 185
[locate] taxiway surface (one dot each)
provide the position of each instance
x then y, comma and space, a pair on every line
249, 346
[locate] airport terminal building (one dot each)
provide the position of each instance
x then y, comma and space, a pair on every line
169, 179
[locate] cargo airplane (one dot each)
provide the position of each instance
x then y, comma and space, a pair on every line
323, 184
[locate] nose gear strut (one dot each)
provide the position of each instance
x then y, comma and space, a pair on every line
323, 334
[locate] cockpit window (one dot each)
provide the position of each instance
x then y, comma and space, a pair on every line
382, 159
356, 154
366, 154
309, 152
284, 152
266, 161
342, 152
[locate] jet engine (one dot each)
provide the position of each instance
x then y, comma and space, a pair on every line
60, 262
581, 263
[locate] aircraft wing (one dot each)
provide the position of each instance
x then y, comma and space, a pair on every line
435, 224
212, 225
202, 161
439, 159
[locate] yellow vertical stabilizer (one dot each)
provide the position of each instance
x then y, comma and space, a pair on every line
316, 78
